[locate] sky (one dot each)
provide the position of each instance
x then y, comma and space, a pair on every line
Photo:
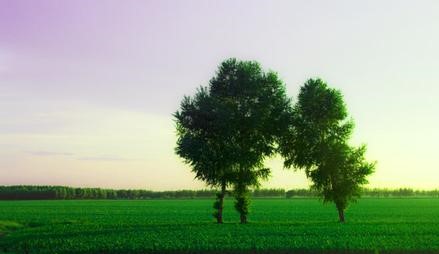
88, 87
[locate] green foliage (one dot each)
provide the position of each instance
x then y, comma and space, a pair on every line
318, 142
23, 192
199, 143
273, 193
340, 177
228, 128
176, 226
319, 119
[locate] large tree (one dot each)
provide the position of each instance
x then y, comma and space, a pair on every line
236, 130
318, 142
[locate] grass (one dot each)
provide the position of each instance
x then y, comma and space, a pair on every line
7, 226
276, 225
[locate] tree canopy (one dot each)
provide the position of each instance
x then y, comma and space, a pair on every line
318, 143
228, 128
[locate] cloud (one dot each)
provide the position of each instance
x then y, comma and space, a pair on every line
77, 157
102, 158
47, 153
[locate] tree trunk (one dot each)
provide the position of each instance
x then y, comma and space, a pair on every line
242, 202
243, 218
242, 207
219, 217
341, 215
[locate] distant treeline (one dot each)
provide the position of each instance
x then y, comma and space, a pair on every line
22, 192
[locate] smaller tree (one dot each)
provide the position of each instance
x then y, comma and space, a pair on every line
317, 141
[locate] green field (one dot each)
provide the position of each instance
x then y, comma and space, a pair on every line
284, 225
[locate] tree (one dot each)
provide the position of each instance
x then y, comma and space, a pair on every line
317, 141
199, 125
229, 128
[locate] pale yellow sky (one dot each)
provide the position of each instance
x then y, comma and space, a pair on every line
124, 149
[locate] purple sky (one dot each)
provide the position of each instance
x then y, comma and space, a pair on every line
73, 70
